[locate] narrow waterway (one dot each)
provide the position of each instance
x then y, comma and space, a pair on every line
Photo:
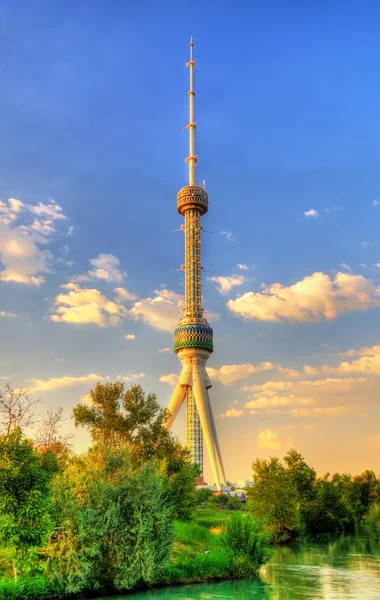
339, 567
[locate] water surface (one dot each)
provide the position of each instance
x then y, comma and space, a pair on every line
341, 567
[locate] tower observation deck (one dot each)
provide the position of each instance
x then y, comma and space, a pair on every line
193, 336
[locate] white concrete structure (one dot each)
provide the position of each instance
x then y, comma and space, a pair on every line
193, 337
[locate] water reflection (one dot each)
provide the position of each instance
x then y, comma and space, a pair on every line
324, 567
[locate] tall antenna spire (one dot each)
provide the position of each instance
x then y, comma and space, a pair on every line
191, 159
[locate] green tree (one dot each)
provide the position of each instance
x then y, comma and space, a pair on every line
364, 492
115, 523
274, 498
25, 506
328, 511
374, 519
234, 503
220, 500
203, 495
117, 417
302, 476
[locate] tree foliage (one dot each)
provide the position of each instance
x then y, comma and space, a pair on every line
291, 498
117, 417
25, 475
274, 498
115, 523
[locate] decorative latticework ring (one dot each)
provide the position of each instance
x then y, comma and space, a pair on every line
193, 336
192, 196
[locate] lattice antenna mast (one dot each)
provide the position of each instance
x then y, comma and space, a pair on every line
192, 158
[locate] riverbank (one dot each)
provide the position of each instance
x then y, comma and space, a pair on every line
200, 554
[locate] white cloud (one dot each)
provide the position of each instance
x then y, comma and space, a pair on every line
106, 269
268, 439
375, 202
311, 213
227, 235
242, 267
228, 374
124, 294
164, 349
314, 298
47, 385
52, 210
130, 336
345, 266
232, 413
4, 313
163, 311
225, 284
170, 379
131, 377
59, 360
87, 306
23, 251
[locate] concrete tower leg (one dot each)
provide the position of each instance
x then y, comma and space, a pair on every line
175, 403
217, 447
201, 398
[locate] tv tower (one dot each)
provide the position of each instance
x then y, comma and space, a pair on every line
193, 336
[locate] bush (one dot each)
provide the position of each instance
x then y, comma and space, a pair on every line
374, 519
28, 588
248, 543
115, 521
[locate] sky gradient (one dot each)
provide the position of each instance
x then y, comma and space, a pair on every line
92, 115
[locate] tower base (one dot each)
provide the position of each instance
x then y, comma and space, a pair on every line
194, 375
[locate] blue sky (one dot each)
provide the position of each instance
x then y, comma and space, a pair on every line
92, 111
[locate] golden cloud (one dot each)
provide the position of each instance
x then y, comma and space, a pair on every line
268, 439
231, 413
87, 306
47, 385
170, 379
315, 298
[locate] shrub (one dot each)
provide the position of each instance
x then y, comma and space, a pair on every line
248, 543
116, 524
28, 588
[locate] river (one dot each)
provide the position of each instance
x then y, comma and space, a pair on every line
335, 567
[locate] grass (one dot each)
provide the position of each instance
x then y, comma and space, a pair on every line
197, 555
27, 588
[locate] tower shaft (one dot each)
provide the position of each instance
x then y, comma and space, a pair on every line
193, 336
193, 267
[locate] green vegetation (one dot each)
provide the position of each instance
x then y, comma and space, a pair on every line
374, 519
125, 514
291, 500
